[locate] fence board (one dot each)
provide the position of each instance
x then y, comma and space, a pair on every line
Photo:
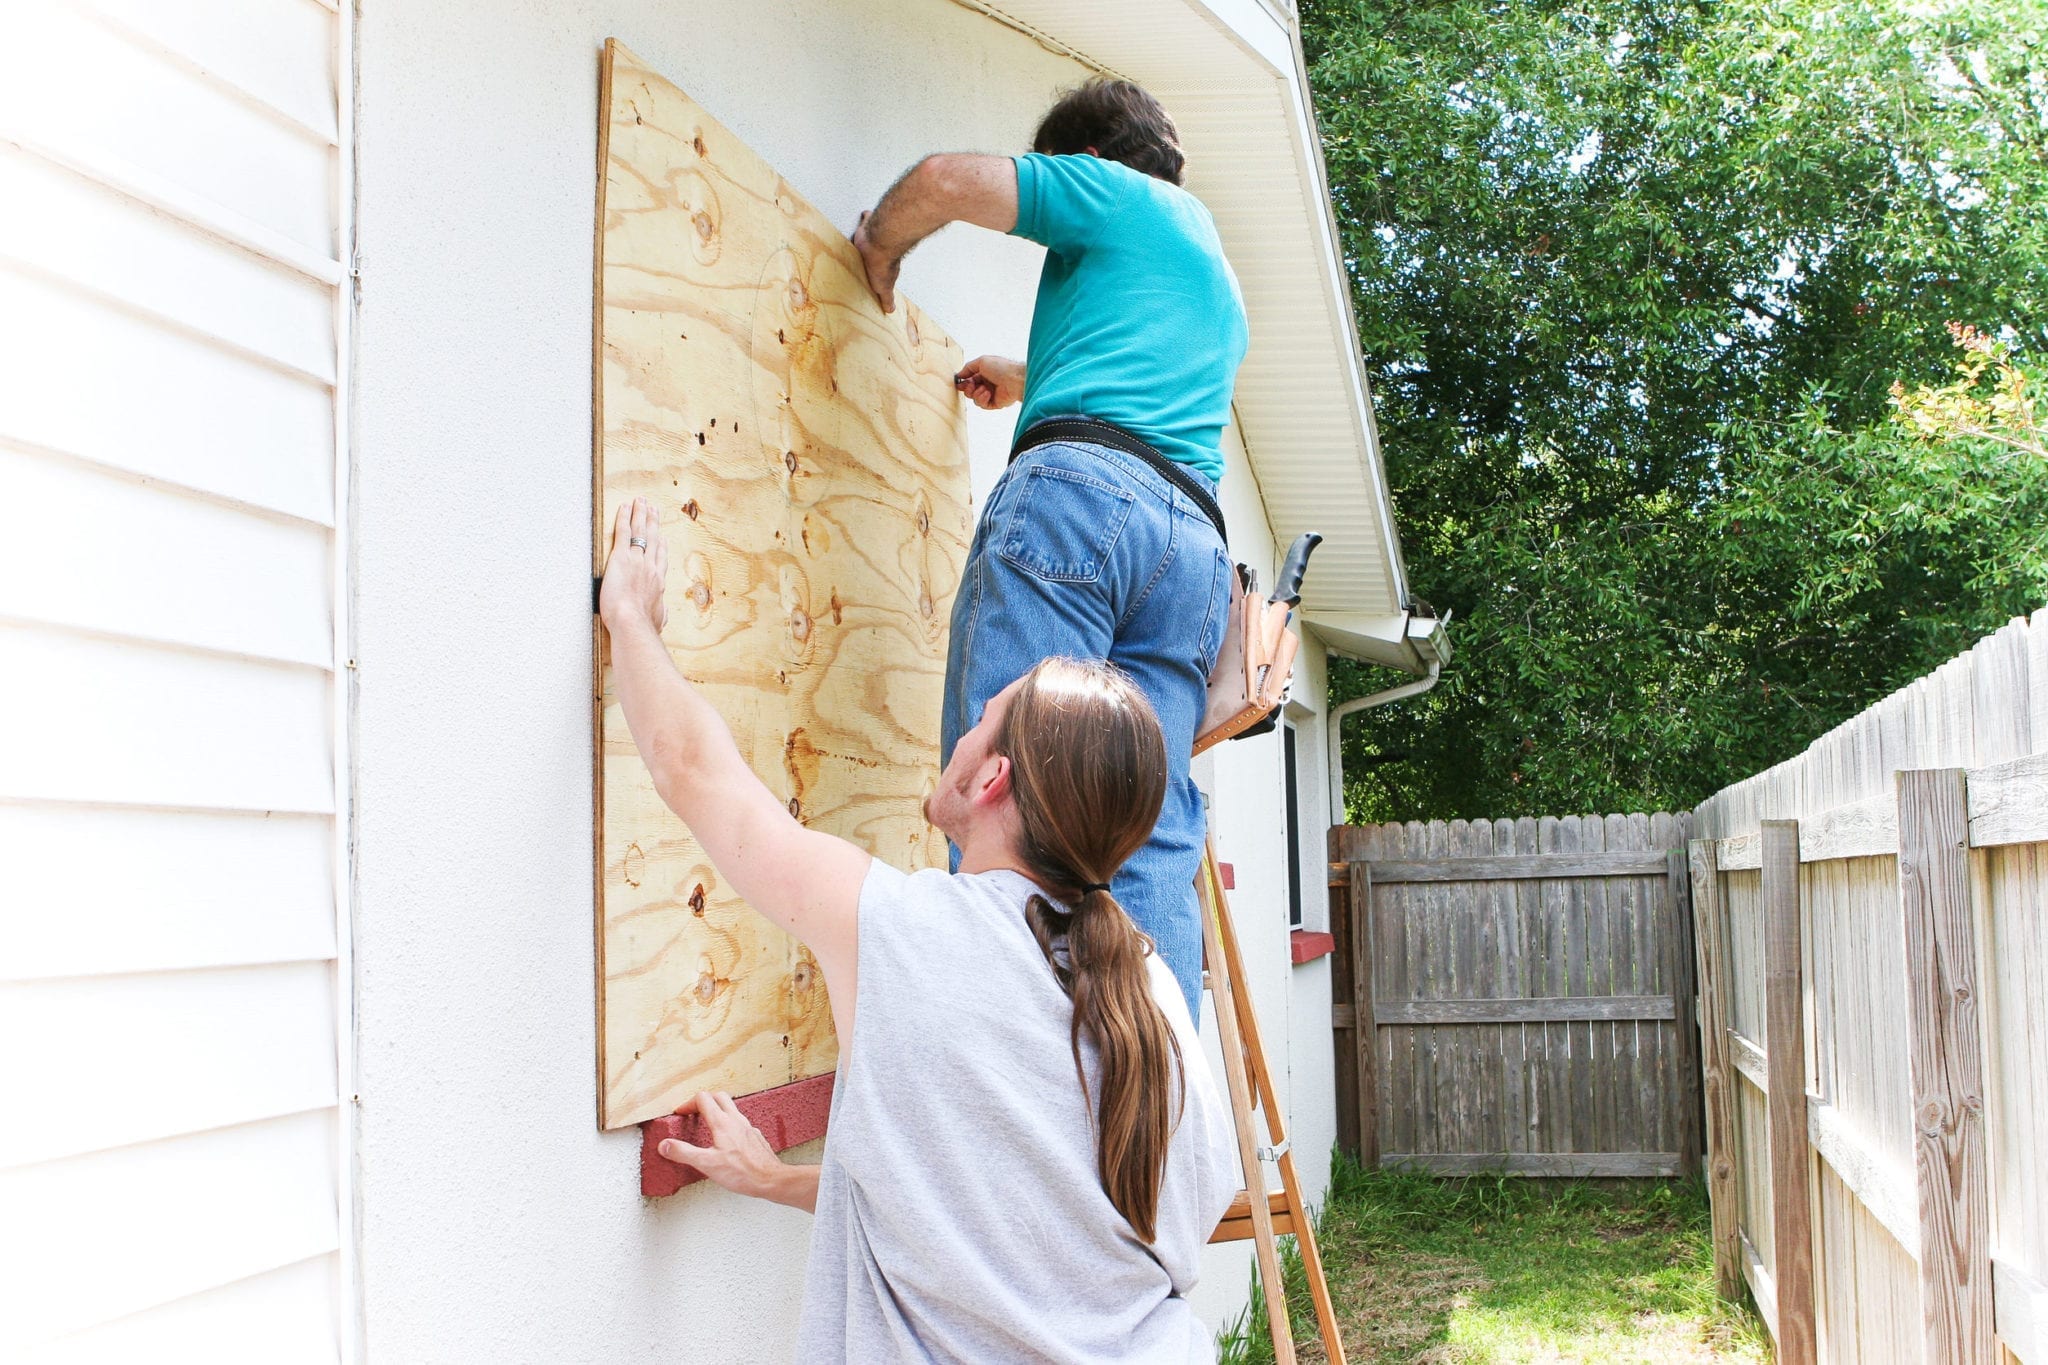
1863, 829
1947, 1066
1718, 1081
1785, 1055
1568, 1165
1367, 1067
2022, 1311
2009, 803
1748, 1059
1351, 1058
1471, 867
1502, 1010
1878, 1184
2013, 909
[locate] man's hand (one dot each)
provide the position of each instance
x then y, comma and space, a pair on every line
991, 381
636, 572
951, 187
882, 267
740, 1159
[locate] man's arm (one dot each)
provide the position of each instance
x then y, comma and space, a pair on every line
740, 1159
809, 883
950, 187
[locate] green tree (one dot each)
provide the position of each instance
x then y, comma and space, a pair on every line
1635, 279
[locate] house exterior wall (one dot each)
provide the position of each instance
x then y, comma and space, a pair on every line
496, 1221
172, 1157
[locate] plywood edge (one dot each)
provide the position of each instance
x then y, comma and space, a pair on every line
605, 61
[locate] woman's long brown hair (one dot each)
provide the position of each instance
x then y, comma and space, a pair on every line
1088, 766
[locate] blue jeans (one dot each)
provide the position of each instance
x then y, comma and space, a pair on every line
1088, 552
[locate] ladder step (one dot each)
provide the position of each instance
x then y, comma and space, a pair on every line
1237, 1219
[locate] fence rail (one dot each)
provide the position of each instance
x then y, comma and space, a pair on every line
1873, 967
1516, 995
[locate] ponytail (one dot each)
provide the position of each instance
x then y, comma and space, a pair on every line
1135, 1049
1088, 765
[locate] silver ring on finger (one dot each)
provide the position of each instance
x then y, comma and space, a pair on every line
637, 543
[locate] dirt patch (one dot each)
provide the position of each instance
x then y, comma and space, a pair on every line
1389, 1305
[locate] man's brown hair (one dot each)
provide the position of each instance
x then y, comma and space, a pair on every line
1120, 121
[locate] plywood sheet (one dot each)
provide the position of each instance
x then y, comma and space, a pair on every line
809, 457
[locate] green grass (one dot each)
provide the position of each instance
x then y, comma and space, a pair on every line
1494, 1268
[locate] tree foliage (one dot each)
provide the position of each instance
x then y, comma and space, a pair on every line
1636, 280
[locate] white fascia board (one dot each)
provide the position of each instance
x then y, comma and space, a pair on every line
1256, 28
1404, 640
1369, 638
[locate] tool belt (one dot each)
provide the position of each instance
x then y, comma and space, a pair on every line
1253, 668
1255, 662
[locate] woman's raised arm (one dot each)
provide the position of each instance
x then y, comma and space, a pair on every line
807, 882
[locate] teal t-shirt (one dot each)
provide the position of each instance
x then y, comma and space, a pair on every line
1139, 320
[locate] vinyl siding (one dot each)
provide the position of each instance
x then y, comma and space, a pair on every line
172, 983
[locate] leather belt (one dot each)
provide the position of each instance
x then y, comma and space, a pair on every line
1096, 432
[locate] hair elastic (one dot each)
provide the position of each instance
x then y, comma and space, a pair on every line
1086, 887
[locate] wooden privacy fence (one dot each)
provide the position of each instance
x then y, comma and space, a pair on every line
1873, 938
1516, 995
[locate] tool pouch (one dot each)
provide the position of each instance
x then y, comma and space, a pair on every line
1253, 668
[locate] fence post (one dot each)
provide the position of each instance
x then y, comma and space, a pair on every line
1362, 1011
1684, 988
1785, 1052
1710, 949
1947, 1067
1343, 1025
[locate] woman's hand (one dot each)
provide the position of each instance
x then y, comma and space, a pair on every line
991, 381
740, 1159
636, 571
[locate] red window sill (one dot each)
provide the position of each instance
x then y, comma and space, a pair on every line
1305, 945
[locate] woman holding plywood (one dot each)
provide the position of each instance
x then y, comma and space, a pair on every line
1027, 1153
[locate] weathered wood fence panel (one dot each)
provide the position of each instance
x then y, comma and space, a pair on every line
1517, 995
1921, 836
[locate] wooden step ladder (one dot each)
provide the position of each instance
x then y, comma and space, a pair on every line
1258, 1219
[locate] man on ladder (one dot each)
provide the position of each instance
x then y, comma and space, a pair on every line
1103, 540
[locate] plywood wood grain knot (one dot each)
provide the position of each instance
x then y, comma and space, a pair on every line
809, 457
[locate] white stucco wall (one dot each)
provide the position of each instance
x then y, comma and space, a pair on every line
495, 1221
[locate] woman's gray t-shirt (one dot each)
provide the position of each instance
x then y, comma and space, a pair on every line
960, 1216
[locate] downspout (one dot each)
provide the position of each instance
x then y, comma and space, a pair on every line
1338, 814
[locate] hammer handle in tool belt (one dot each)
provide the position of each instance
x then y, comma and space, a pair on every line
1252, 667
